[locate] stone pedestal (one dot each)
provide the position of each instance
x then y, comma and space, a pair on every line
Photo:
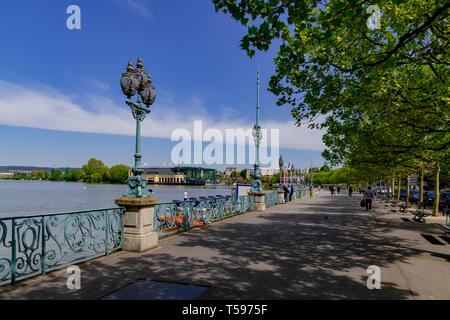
259, 200
281, 195
139, 232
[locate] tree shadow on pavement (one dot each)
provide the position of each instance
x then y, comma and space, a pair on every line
295, 251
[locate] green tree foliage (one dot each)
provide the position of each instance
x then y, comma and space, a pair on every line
78, 174
68, 176
381, 94
95, 171
118, 173
56, 175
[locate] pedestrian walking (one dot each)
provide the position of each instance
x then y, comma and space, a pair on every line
339, 190
350, 191
291, 192
368, 196
286, 194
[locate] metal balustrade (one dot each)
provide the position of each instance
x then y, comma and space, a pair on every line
185, 215
33, 245
271, 198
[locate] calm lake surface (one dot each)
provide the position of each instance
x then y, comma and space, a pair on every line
19, 198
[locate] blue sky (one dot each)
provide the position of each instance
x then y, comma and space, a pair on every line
60, 98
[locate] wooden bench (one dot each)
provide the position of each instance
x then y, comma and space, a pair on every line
420, 215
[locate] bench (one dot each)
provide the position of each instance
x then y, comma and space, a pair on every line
420, 215
403, 207
444, 228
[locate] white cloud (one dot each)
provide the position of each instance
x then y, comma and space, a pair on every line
47, 108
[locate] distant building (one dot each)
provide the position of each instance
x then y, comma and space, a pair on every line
180, 175
229, 170
312, 169
6, 174
265, 172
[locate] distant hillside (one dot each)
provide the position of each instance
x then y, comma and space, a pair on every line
28, 169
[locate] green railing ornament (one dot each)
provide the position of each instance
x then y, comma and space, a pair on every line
177, 217
34, 245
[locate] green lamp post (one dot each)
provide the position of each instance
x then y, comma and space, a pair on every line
138, 81
280, 164
257, 135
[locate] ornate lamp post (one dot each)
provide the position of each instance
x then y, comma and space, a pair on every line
280, 164
138, 81
292, 175
257, 135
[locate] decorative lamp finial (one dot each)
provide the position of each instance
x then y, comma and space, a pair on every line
139, 64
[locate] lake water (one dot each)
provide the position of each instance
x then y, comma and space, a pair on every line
19, 198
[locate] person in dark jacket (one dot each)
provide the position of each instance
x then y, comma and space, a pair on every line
368, 196
350, 190
286, 194
291, 193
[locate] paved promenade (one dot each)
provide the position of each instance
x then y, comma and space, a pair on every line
307, 249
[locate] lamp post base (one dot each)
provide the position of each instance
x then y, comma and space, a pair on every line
256, 186
259, 200
139, 231
280, 196
137, 188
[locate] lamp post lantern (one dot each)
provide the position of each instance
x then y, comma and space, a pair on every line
138, 81
257, 135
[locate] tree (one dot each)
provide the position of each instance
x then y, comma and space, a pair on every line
325, 168
96, 177
68, 176
78, 174
56, 175
118, 173
383, 93
95, 171
243, 174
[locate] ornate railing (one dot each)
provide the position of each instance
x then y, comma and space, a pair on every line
33, 245
185, 215
271, 198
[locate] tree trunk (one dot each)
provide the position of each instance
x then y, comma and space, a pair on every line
407, 190
398, 190
393, 188
437, 169
421, 189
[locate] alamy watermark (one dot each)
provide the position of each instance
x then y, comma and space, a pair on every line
73, 22
74, 280
374, 279
374, 21
238, 144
